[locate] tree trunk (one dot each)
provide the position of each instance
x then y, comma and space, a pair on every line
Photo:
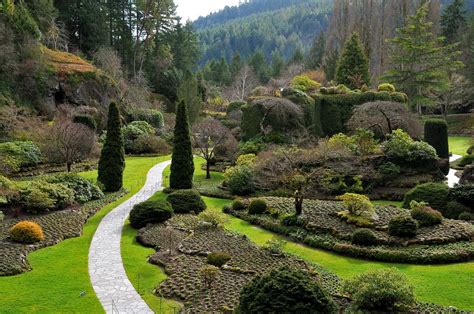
208, 170
298, 203
68, 165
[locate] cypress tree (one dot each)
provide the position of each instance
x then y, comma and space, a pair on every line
112, 157
353, 66
182, 165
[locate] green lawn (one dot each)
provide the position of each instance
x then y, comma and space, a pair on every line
459, 144
60, 272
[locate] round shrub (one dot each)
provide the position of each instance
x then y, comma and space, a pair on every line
151, 144
364, 236
386, 87
26, 232
466, 216
403, 226
426, 216
152, 116
218, 258
435, 194
240, 180
454, 209
257, 206
186, 201
383, 290
133, 131
285, 291
238, 205
401, 148
149, 212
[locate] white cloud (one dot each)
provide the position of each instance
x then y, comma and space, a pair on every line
192, 9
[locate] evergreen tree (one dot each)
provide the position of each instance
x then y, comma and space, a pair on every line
453, 20
316, 53
353, 66
236, 65
258, 63
330, 64
112, 157
182, 165
298, 56
420, 59
278, 64
189, 93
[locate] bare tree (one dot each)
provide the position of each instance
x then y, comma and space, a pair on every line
56, 36
108, 60
457, 93
244, 82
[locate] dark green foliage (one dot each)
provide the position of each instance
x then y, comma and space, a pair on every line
389, 169
133, 131
403, 226
285, 291
435, 194
253, 146
152, 116
364, 236
353, 66
240, 180
112, 157
186, 201
466, 216
426, 216
257, 206
436, 134
330, 64
463, 193
453, 21
17, 155
84, 191
41, 196
454, 209
150, 212
315, 56
86, 120
238, 205
466, 161
182, 165
218, 258
235, 105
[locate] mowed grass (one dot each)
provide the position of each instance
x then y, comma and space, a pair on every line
460, 144
60, 272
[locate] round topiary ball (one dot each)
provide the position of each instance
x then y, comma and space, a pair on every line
27, 232
403, 226
238, 205
364, 236
257, 206
149, 212
285, 291
186, 201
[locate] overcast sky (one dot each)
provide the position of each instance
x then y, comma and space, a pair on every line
192, 9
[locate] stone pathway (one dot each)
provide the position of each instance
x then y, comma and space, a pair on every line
107, 273
452, 178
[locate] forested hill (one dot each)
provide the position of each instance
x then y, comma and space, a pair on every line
270, 25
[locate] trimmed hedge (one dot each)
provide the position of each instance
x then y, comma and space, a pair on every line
149, 212
257, 207
27, 232
186, 201
436, 134
435, 194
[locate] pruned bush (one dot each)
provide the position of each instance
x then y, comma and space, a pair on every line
186, 201
364, 236
151, 144
383, 290
84, 191
466, 216
436, 134
305, 84
285, 291
357, 204
386, 87
215, 218
401, 148
26, 232
41, 196
134, 130
218, 259
435, 194
425, 215
150, 212
257, 206
151, 116
403, 226
239, 205
240, 180
463, 193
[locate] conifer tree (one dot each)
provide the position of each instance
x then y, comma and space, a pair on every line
112, 157
353, 66
316, 53
330, 64
278, 64
453, 20
182, 165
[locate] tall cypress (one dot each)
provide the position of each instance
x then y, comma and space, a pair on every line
353, 66
112, 157
182, 165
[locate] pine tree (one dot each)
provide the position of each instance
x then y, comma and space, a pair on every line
330, 64
316, 53
353, 66
189, 93
112, 157
236, 65
453, 20
278, 63
298, 56
421, 60
258, 63
182, 165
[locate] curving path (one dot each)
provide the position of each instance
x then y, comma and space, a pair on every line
106, 271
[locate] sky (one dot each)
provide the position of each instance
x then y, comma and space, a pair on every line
192, 9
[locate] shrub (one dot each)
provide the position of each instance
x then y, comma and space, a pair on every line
151, 116
357, 204
246, 160
259, 91
186, 201
240, 180
403, 226
383, 290
26, 232
2, 216
386, 87
218, 258
41, 196
285, 291
466, 216
86, 120
149, 212
463, 193
235, 105
238, 205
84, 191
257, 206
364, 236
275, 246
389, 169
17, 155
425, 215
435, 194
436, 134
305, 84
466, 161
133, 131
151, 144
254, 146
213, 217
454, 209
403, 149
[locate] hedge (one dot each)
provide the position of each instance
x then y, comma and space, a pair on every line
436, 134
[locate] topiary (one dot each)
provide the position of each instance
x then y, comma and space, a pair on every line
403, 226
186, 201
285, 291
383, 290
386, 87
257, 206
435, 194
151, 211
436, 134
364, 236
218, 258
26, 232
238, 205
425, 215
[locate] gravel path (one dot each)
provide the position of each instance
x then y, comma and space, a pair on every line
106, 271
452, 178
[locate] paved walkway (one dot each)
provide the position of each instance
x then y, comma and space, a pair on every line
452, 178
106, 271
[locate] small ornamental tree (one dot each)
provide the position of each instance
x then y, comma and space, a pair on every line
182, 165
353, 66
112, 157
436, 134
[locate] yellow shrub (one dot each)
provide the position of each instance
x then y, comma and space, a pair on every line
26, 232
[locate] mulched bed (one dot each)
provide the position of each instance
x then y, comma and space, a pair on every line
57, 226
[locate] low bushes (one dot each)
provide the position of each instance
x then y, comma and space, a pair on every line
364, 236
425, 215
218, 258
257, 206
17, 155
359, 209
238, 205
41, 196
402, 149
151, 211
186, 201
84, 191
435, 194
466, 161
454, 209
240, 180
150, 144
133, 131
213, 217
386, 87
384, 290
26, 232
403, 226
